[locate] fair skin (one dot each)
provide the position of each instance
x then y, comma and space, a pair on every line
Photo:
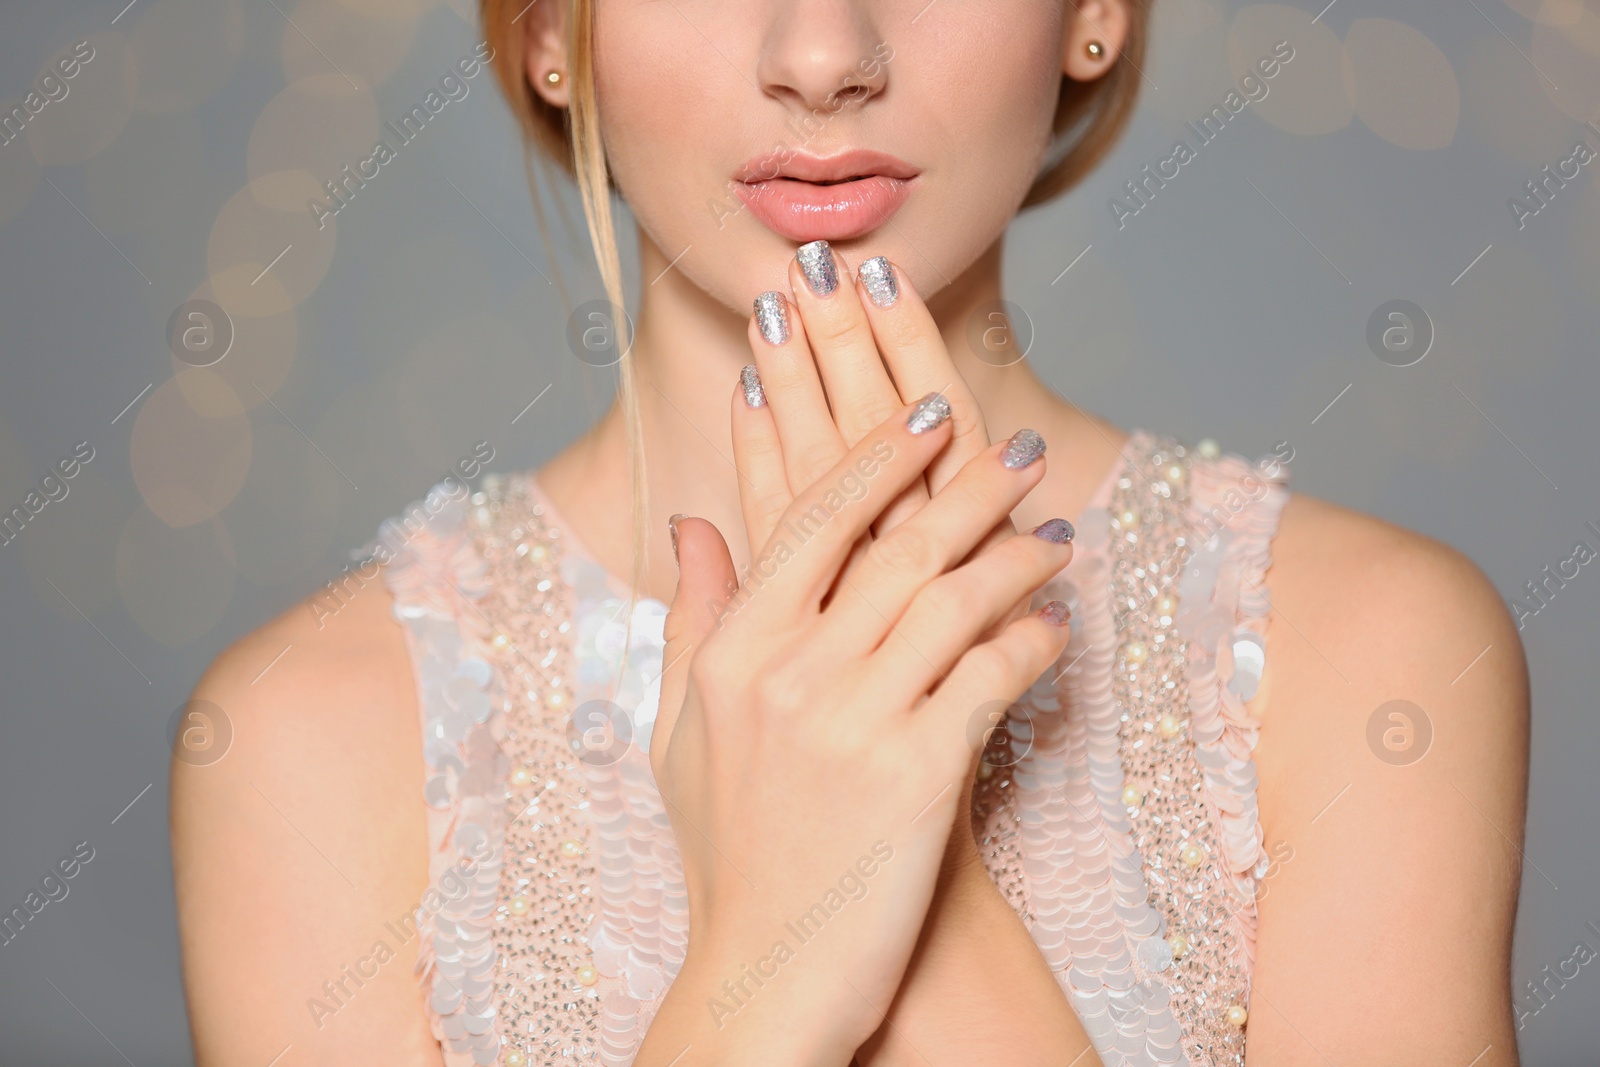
1385, 939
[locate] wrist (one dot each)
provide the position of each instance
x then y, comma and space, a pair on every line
738, 1007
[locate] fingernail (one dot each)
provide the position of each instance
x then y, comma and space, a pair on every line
672, 529
930, 411
1024, 447
750, 381
1058, 530
772, 318
1056, 613
878, 276
816, 263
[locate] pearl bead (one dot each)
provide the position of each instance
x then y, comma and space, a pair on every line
1209, 448
518, 905
1191, 855
1178, 944
569, 847
985, 770
554, 698
1169, 725
1129, 518
515, 1059
521, 776
1132, 797
501, 641
1174, 473
540, 553
1135, 652
587, 975
1167, 604
1236, 1016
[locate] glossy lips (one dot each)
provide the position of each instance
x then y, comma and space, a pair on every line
808, 198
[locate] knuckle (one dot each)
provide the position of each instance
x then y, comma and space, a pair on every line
833, 330
815, 459
942, 600
868, 413
907, 551
993, 662
781, 696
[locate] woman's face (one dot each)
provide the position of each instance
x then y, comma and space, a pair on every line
740, 129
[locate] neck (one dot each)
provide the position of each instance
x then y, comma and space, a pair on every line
686, 356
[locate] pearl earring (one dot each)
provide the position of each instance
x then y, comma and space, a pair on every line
1095, 49
553, 78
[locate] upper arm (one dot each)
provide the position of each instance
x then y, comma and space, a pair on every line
1385, 924
304, 847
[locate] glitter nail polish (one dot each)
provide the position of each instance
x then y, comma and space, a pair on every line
816, 263
930, 411
1024, 447
1056, 613
878, 278
772, 317
1058, 530
750, 382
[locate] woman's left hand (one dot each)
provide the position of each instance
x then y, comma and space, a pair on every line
833, 362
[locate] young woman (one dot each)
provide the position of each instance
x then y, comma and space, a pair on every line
909, 774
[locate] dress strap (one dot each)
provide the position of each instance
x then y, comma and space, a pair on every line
436, 575
1139, 841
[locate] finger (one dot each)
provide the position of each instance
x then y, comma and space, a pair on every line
915, 354
758, 456
995, 673
706, 581
811, 442
949, 615
860, 392
937, 538
796, 568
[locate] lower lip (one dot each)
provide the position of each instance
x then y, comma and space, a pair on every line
803, 211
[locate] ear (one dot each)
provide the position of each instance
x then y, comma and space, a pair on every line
545, 50
1105, 22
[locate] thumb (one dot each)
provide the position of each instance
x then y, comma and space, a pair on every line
706, 582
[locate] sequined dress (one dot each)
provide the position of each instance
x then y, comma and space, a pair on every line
1116, 806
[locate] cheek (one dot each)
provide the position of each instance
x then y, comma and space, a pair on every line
666, 103
982, 97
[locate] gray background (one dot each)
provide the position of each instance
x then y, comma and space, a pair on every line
373, 355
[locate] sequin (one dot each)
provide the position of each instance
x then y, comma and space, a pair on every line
1116, 810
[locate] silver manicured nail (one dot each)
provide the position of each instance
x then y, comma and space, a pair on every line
1024, 447
1056, 613
750, 382
672, 530
772, 318
1058, 530
816, 263
878, 276
930, 411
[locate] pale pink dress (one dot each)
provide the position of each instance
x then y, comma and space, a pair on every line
1116, 809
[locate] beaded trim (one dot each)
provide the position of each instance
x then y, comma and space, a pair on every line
1116, 806
1151, 844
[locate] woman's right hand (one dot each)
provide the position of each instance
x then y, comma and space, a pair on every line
811, 747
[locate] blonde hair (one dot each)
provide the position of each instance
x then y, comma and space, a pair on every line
1089, 119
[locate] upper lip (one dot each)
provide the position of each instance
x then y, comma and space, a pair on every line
854, 163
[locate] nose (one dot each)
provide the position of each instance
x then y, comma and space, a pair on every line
823, 54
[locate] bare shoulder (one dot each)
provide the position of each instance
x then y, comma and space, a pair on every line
1393, 771
301, 851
